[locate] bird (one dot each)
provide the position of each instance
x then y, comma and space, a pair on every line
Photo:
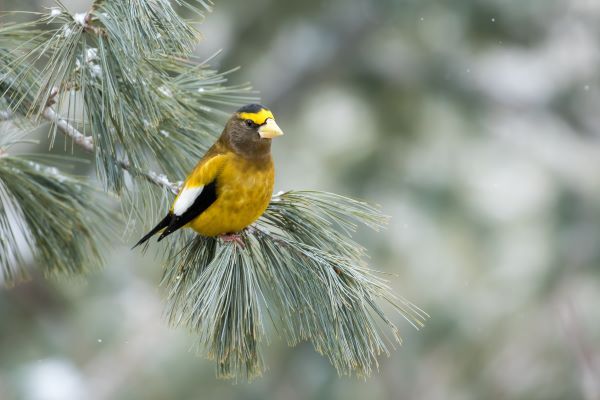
231, 186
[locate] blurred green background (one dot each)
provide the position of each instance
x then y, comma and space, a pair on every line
474, 123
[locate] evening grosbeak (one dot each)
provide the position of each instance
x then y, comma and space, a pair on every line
231, 185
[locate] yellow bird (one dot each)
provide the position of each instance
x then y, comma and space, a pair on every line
231, 186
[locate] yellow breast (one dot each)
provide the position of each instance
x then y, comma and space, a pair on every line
244, 189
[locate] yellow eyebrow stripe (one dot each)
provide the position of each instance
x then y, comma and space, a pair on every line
258, 117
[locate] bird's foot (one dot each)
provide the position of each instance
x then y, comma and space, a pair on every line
233, 237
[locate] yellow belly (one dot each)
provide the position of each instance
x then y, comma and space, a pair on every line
243, 194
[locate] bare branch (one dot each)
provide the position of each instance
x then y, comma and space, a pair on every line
87, 144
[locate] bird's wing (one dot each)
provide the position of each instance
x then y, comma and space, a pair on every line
198, 193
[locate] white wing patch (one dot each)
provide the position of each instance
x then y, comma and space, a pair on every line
186, 199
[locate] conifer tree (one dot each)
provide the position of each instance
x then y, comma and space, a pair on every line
121, 83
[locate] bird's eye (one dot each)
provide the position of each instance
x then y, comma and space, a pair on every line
249, 123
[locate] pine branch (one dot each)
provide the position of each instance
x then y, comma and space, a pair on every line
45, 217
86, 143
301, 270
114, 66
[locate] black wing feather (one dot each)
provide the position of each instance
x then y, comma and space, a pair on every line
173, 222
162, 224
206, 198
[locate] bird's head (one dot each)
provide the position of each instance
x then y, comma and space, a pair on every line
250, 130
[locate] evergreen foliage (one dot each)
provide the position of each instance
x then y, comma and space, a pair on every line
308, 278
56, 219
120, 82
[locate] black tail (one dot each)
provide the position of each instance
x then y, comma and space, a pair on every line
162, 224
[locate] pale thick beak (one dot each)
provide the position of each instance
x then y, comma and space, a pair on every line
270, 129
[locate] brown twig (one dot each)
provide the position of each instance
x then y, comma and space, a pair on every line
87, 144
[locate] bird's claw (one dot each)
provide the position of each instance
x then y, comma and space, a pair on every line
233, 237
